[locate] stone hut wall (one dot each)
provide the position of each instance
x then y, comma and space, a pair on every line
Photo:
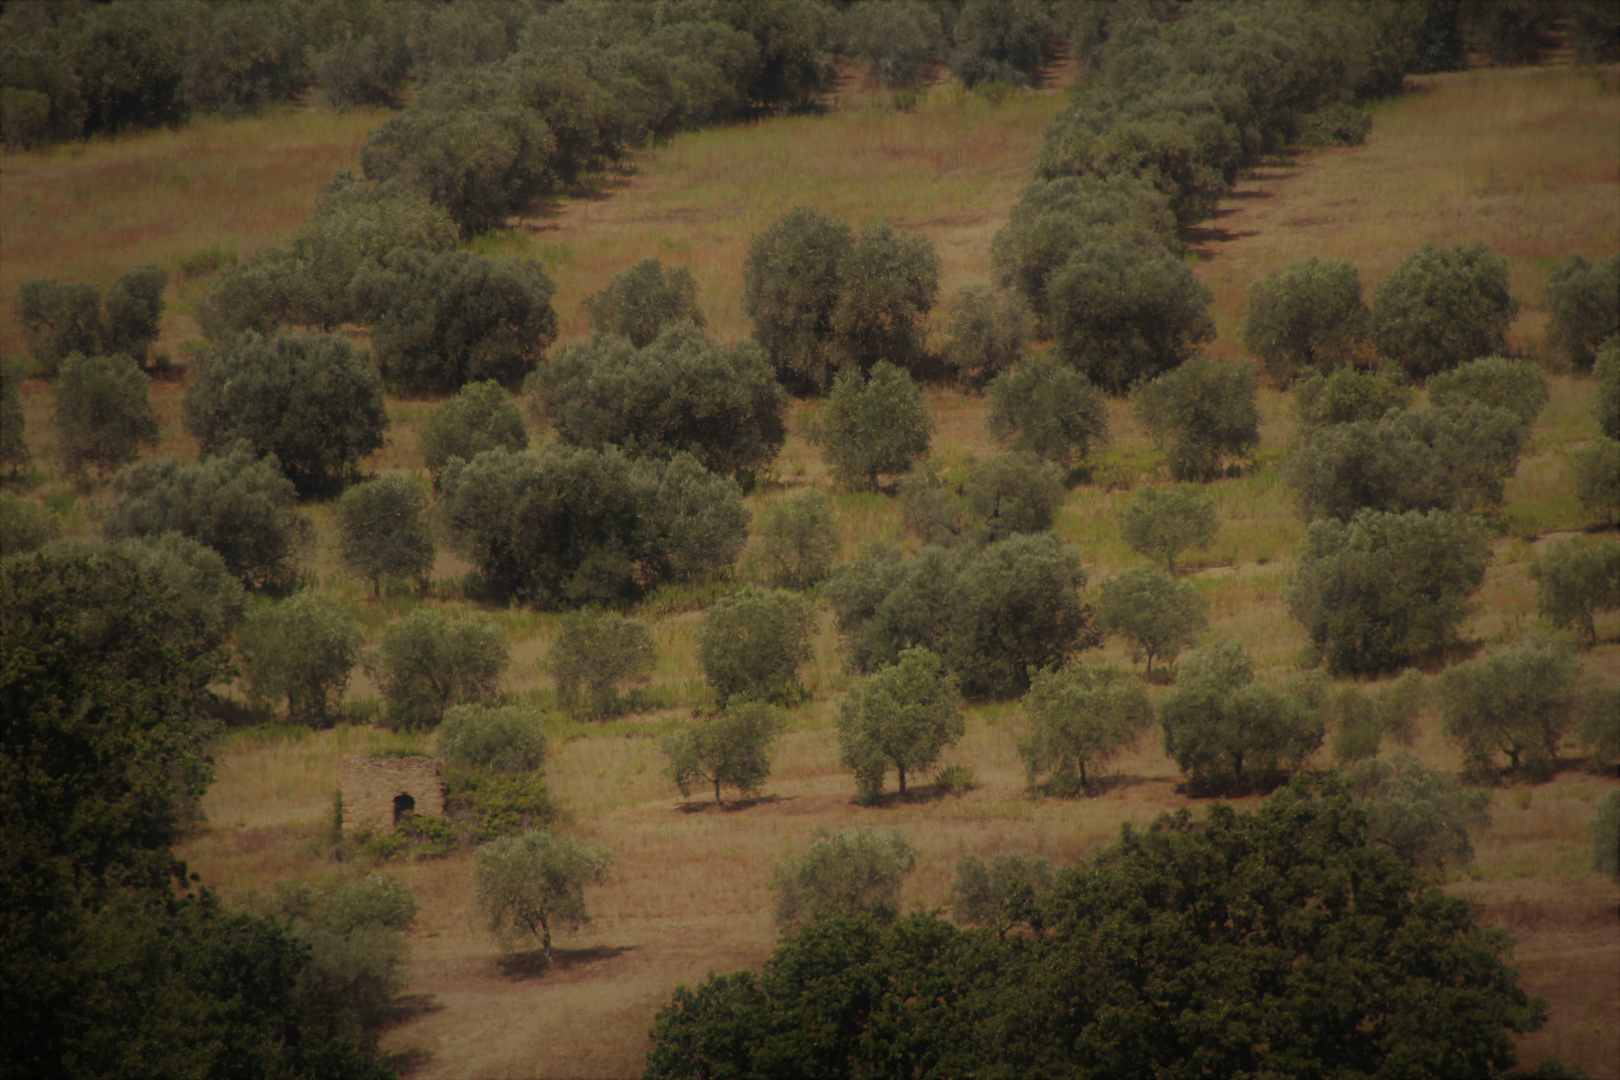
370, 786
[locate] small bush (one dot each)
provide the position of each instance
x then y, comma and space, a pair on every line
506, 740
849, 873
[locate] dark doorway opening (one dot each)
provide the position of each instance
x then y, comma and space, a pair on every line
404, 807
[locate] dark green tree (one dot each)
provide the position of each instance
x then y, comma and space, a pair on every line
300, 650
103, 416
1498, 382
443, 320
1442, 307
1016, 493
1158, 615
799, 540
1049, 409
641, 301
1575, 580
872, 425
1201, 414
1383, 589
481, 416
309, 400
503, 739
382, 532
1162, 523
988, 332
1003, 894
595, 654
1519, 701
1425, 816
60, 320
903, 717
426, 663
791, 287
134, 309
751, 645
1606, 399
841, 874
1360, 720
728, 749
25, 525
1583, 300
887, 285
1595, 469
1079, 716
14, 452
897, 39
1227, 732
1306, 316
1348, 395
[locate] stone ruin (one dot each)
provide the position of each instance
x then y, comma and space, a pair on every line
379, 793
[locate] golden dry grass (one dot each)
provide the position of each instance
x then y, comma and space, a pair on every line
1527, 160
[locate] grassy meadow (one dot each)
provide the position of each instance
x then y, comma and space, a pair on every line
1528, 160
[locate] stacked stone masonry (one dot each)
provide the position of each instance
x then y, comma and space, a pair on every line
378, 793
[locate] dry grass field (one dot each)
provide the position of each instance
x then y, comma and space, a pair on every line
1527, 160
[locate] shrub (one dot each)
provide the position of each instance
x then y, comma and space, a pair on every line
998, 897
751, 645
798, 540
840, 874
1338, 124
1442, 307
729, 749
1122, 314
1347, 396
425, 663
1583, 302
887, 284
681, 394
481, 416
1576, 580
447, 319
901, 716
1600, 721
103, 416
1161, 524
595, 654
933, 512
240, 506
988, 332
1046, 408
791, 287
308, 399
1519, 701
1595, 468
1382, 589
1017, 493
525, 885
1606, 397
1605, 828
60, 320
1227, 732
1201, 413
573, 526
14, 452
1079, 716
1421, 814
1158, 615
25, 525
1361, 720
1306, 316
382, 533
641, 302
873, 425
503, 740
1496, 382
134, 309
301, 649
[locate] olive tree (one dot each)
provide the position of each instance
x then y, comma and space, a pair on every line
235, 502
1519, 702
1595, 469
426, 663
1079, 716
504, 739
595, 654
1379, 590
1348, 395
527, 885
791, 287
25, 525
1306, 316
798, 540
731, 748
849, 873
1161, 523
134, 309
1002, 894
898, 39
382, 532
902, 716
301, 649
1360, 719
1049, 409
988, 332
1158, 615
1227, 732
1425, 816
1015, 493
482, 416
873, 425
308, 399
446, 319
103, 416
1576, 580
887, 284
1606, 395
1201, 413
59, 319
1498, 382
1442, 307
751, 645
1605, 827
14, 452
1122, 314
641, 301
1583, 301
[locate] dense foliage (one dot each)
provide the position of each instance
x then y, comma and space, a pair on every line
843, 874
902, 716
382, 532
301, 651
1079, 716
731, 748
751, 645
1442, 307
1161, 523
594, 655
1157, 615
1306, 316
1047, 408
1517, 702
1583, 299
1202, 414
482, 416
103, 413
426, 663
873, 425
641, 301
74, 318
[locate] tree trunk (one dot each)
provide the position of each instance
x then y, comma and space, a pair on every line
902, 771
874, 482
1085, 785
545, 941
717, 800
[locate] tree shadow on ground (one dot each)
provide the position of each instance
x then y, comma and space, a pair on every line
699, 806
1100, 785
916, 795
408, 1007
532, 964
407, 1063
